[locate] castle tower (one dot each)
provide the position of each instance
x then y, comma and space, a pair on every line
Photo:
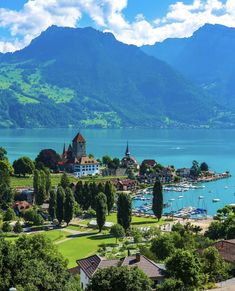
79, 146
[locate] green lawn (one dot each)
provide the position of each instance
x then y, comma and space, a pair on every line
55, 180
136, 221
83, 246
28, 181
55, 235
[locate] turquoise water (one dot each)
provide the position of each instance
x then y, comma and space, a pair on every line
177, 147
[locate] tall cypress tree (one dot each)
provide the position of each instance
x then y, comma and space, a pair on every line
101, 209
52, 205
86, 196
60, 204
110, 195
79, 193
47, 181
36, 184
157, 199
43, 180
68, 205
124, 210
64, 181
94, 192
41, 195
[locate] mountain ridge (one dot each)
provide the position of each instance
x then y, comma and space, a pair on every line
83, 77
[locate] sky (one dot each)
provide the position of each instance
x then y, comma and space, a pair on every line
136, 22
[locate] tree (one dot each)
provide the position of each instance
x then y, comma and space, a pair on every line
3, 154
18, 227
117, 231
4, 174
9, 215
86, 196
52, 205
124, 210
157, 200
214, 266
36, 184
93, 192
137, 235
78, 194
41, 195
120, 278
33, 263
204, 167
32, 216
143, 168
64, 181
106, 160
6, 227
216, 230
172, 284
185, 266
60, 204
68, 205
162, 246
49, 158
101, 209
23, 166
195, 169
110, 195
47, 181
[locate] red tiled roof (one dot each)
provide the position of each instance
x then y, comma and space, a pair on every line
79, 138
89, 265
149, 162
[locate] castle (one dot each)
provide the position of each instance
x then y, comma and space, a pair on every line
75, 159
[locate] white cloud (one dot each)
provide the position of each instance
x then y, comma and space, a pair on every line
181, 20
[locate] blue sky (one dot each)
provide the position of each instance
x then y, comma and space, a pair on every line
131, 21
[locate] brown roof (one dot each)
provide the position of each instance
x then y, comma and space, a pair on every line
151, 269
74, 271
91, 264
150, 163
79, 138
87, 161
226, 249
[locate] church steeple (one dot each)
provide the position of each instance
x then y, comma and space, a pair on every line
127, 153
64, 150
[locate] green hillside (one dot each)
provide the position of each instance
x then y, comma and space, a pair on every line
85, 78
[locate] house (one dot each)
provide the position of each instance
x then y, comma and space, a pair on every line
149, 163
129, 161
226, 249
88, 266
164, 176
183, 172
21, 206
125, 184
75, 159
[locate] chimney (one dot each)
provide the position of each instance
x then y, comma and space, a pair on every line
137, 256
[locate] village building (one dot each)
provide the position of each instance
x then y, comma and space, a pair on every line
125, 184
88, 266
75, 159
226, 249
149, 163
183, 172
129, 161
166, 175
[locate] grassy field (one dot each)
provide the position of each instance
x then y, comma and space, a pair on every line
55, 180
28, 181
136, 221
83, 246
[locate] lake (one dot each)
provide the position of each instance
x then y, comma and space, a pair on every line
174, 146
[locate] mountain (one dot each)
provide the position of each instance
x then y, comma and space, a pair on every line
85, 78
206, 58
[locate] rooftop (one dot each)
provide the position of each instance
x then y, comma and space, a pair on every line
79, 138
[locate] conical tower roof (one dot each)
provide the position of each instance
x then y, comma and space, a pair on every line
79, 138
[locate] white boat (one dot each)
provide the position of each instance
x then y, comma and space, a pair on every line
226, 187
216, 200
200, 197
172, 199
181, 197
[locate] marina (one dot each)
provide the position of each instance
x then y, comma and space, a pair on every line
199, 201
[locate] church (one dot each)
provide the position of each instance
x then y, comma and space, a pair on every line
75, 159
